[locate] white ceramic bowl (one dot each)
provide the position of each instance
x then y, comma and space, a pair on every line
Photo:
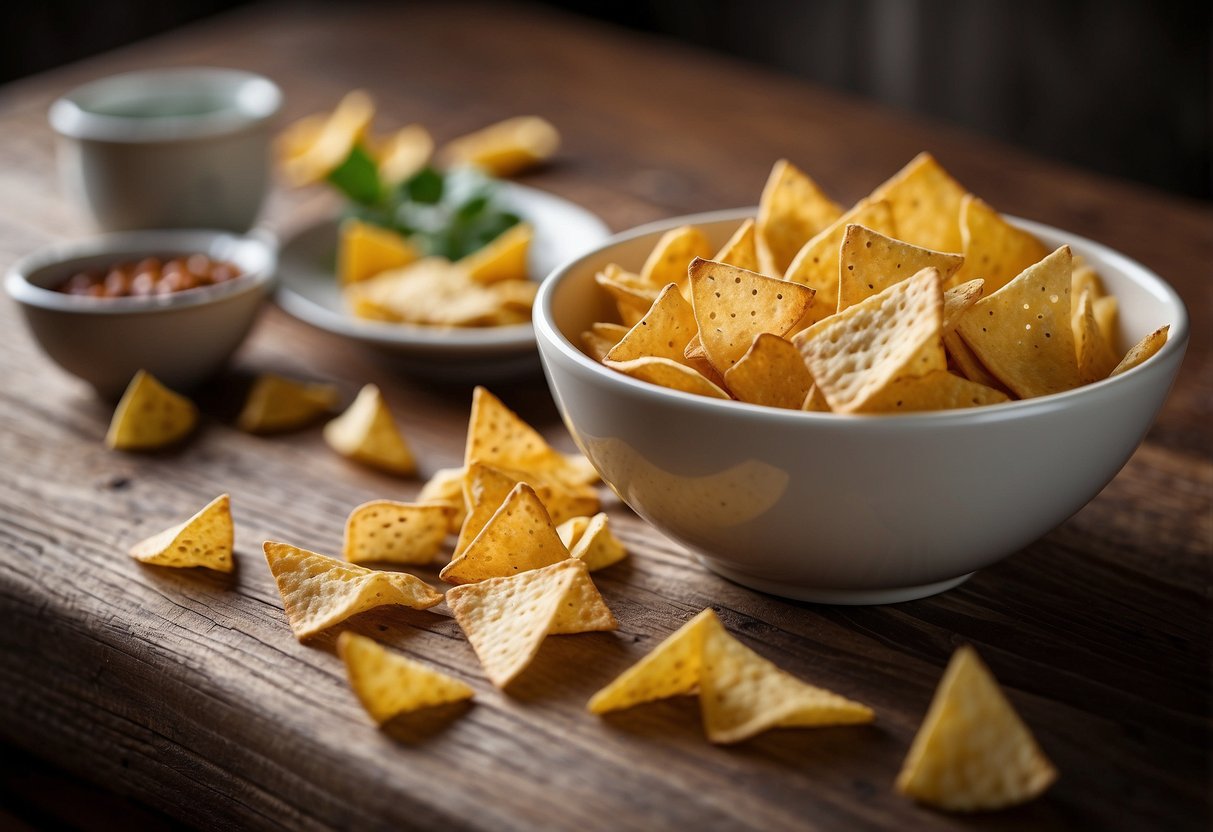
851, 509
181, 338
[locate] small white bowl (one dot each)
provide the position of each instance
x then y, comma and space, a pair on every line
181, 338
851, 509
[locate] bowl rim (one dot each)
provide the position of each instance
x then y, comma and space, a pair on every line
547, 333
132, 244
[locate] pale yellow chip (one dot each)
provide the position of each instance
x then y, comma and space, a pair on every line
697, 359
664, 331
203, 540
366, 433
1022, 332
507, 619
505, 258
1106, 311
667, 262
590, 539
505, 148
385, 531
816, 265
742, 694
277, 404
1096, 357
1143, 351
150, 416
870, 262
632, 295
314, 150
515, 295
993, 249
600, 337
973, 752
937, 390
926, 204
740, 250
966, 363
857, 353
389, 684
445, 488
318, 591
1084, 276
733, 307
518, 537
405, 152
431, 291
959, 299
672, 668
665, 372
771, 373
365, 250
792, 210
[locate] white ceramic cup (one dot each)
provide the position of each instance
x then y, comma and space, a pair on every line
168, 148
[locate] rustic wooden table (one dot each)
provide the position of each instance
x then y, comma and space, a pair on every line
188, 692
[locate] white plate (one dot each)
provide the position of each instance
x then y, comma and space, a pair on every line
308, 290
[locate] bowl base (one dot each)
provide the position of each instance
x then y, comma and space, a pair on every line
825, 595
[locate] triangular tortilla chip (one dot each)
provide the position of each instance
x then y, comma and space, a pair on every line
150, 416
742, 694
1022, 332
276, 404
505, 258
958, 300
365, 250
668, 261
590, 539
734, 306
600, 337
520, 536
771, 373
1106, 310
485, 488
1084, 276
672, 668
937, 390
1096, 358
697, 359
389, 684
860, 351
973, 752
632, 295
966, 363
445, 488
504, 148
318, 591
926, 204
329, 141
740, 249
792, 211
816, 264
665, 330
507, 619
385, 531
1143, 351
404, 153
203, 540
993, 248
814, 402
366, 433
666, 372
870, 262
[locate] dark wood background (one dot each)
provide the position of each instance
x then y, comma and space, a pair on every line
188, 693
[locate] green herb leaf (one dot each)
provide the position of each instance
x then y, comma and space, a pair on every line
425, 186
358, 177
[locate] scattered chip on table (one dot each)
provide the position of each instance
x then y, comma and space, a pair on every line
389, 684
366, 433
278, 404
386, 531
445, 488
203, 540
590, 539
518, 537
150, 416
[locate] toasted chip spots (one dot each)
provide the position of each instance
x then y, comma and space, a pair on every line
445, 488
993, 248
1096, 358
316, 147
937, 390
405, 152
665, 372
816, 265
740, 250
672, 668
589, 539
366, 433
203, 540
1143, 351
742, 694
973, 752
385, 531
771, 373
318, 591
505, 148
519, 536
668, 261
793, 209
389, 684
870, 262
926, 204
664, 331
507, 619
857, 353
277, 404
734, 306
505, 258
1022, 332
365, 250
150, 416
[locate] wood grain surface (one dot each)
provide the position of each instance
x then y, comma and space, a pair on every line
188, 692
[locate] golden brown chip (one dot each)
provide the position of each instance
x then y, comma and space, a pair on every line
484, 490
505, 148
590, 539
445, 488
600, 337
791, 212
967, 364
814, 402
203, 540
664, 331
318, 591
317, 147
673, 253
1143, 351
1083, 276
433, 292
389, 684
1106, 309
665, 372
507, 619
366, 433
973, 752
740, 249
958, 300
771, 373
276, 404
632, 295
993, 248
150, 416
1096, 358
519, 536
926, 204
365, 250
385, 531
937, 390
870, 262
505, 258
697, 359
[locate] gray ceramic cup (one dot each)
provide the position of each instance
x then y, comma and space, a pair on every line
168, 148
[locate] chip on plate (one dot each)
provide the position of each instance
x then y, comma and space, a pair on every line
385, 531
792, 210
365, 250
519, 536
404, 153
589, 539
926, 204
505, 148
150, 416
389, 684
507, 619
1143, 351
870, 262
203, 540
316, 148
973, 752
505, 258
771, 373
276, 404
318, 591
366, 433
